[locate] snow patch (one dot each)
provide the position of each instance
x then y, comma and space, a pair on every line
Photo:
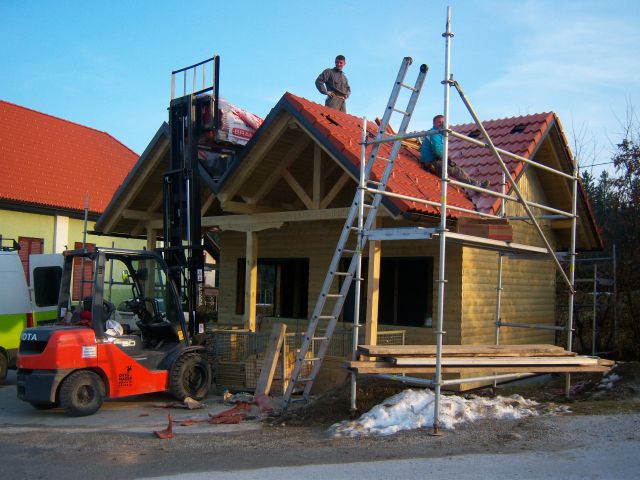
411, 409
608, 380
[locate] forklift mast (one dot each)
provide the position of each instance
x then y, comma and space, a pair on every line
193, 117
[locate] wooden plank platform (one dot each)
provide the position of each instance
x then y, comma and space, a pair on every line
491, 361
407, 359
463, 350
365, 367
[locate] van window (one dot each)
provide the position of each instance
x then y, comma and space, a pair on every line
46, 285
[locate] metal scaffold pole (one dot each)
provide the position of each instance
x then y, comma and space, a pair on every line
499, 287
360, 245
572, 270
443, 228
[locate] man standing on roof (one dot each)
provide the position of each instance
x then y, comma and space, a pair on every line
431, 154
333, 83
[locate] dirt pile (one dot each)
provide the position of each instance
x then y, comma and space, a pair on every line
591, 393
333, 406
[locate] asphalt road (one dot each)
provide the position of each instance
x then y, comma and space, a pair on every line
139, 414
118, 443
618, 460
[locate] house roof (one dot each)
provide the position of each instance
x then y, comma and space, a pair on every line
519, 135
342, 133
51, 162
339, 134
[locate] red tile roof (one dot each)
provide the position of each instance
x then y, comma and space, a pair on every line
519, 135
344, 131
51, 162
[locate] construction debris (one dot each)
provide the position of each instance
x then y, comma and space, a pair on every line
167, 432
188, 403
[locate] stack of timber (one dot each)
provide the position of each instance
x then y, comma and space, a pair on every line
399, 359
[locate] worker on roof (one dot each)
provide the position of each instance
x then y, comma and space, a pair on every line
333, 83
431, 154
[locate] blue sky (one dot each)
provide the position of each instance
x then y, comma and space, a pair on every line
107, 64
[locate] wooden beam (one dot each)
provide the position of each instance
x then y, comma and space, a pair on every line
254, 157
152, 239
464, 350
276, 339
239, 207
317, 177
136, 185
286, 162
373, 292
153, 206
207, 204
278, 217
344, 178
140, 215
251, 281
498, 361
297, 188
385, 368
255, 227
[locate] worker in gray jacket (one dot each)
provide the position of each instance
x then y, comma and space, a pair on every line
333, 83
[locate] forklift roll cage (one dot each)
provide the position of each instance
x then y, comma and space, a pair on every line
99, 256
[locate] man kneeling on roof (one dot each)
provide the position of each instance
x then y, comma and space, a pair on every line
431, 157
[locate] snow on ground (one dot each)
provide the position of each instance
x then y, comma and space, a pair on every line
608, 380
411, 409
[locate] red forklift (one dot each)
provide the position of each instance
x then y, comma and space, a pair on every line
86, 357
83, 359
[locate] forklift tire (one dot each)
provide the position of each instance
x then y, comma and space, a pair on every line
81, 393
4, 366
190, 377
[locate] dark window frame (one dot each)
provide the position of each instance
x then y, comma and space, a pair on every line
291, 273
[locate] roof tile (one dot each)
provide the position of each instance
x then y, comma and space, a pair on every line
344, 131
52, 162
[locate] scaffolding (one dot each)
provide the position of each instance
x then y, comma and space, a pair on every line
510, 192
599, 281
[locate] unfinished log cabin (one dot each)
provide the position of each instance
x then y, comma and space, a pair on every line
279, 208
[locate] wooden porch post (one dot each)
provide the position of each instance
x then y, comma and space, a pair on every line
152, 238
373, 293
251, 281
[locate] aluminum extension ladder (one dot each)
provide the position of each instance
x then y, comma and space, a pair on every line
360, 229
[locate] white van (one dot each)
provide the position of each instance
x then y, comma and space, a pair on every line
23, 305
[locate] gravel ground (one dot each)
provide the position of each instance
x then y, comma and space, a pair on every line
70, 455
602, 418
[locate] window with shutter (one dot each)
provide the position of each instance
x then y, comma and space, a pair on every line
28, 246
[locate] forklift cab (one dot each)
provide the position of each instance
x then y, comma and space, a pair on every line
103, 278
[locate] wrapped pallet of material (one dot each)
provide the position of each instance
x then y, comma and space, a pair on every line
236, 125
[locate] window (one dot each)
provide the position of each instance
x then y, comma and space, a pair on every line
46, 285
283, 287
406, 292
28, 246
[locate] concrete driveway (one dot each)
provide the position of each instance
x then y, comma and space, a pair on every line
133, 414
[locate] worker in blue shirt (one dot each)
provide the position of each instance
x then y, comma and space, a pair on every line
431, 154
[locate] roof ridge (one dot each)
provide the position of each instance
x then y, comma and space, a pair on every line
63, 120
512, 117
